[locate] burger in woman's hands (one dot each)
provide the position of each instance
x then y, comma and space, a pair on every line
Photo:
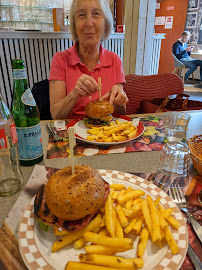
98, 113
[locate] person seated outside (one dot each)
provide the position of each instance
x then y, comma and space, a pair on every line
183, 52
74, 72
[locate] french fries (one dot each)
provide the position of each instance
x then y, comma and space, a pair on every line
130, 196
138, 225
69, 238
81, 242
156, 233
144, 235
59, 232
99, 249
116, 132
108, 241
122, 218
117, 187
107, 260
119, 230
83, 266
171, 241
147, 217
130, 226
109, 216
126, 212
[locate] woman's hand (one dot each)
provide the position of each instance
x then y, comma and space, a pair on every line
85, 86
116, 96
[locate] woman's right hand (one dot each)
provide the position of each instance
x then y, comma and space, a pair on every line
85, 86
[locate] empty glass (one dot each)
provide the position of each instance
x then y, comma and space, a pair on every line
5, 14
176, 124
11, 179
173, 167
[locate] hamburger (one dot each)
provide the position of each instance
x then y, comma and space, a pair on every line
71, 201
98, 113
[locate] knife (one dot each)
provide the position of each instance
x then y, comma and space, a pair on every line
194, 258
196, 226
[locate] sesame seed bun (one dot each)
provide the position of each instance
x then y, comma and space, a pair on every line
72, 197
96, 108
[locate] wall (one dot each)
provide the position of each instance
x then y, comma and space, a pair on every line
179, 18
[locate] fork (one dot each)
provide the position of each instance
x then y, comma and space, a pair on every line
178, 197
55, 135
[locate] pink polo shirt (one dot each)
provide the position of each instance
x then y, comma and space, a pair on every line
66, 66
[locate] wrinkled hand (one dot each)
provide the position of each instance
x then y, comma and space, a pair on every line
116, 96
85, 86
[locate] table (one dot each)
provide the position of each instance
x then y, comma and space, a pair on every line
134, 162
128, 162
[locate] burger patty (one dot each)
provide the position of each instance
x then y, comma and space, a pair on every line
93, 121
75, 225
42, 211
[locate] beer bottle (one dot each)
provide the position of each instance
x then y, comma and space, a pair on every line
26, 115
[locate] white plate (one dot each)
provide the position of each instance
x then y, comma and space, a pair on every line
35, 244
80, 130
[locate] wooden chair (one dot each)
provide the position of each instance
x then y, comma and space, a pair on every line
180, 67
139, 88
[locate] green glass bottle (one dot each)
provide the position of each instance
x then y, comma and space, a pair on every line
26, 115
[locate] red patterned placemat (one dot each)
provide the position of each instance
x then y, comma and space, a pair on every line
151, 140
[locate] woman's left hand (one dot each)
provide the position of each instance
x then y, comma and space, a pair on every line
116, 96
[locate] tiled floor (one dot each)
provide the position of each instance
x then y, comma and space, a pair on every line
194, 90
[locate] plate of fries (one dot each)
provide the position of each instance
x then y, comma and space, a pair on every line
139, 227
120, 130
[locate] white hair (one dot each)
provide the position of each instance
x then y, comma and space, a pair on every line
107, 15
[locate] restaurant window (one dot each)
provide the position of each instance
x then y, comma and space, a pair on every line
193, 21
200, 34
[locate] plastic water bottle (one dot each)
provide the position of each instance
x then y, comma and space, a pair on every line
27, 119
11, 179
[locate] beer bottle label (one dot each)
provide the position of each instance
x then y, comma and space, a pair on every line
14, 134
27, 98
19, 74
30, 142
3, 143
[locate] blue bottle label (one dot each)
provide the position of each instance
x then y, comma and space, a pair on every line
19, 74
30, 142
27, 98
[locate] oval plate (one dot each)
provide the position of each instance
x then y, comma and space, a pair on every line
80, 130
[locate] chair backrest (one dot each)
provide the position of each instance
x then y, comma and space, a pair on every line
40, 92
177, 62
139, 87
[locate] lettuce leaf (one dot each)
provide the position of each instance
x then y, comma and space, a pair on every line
44, 226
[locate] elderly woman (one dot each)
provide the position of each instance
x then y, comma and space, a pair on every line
74, 72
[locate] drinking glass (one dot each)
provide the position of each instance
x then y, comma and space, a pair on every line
173, 167
176, 124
